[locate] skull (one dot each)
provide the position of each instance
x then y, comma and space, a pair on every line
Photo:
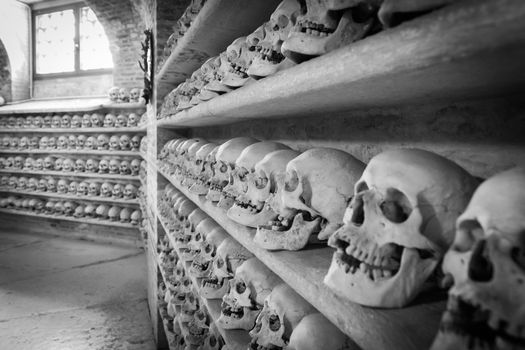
239, 180
71, 142
62, 186
9, 162
183, 240
69, 208
20, 121
28, 163
230, 255
189, 308
136, 217
102, 212
91, 143
283, 310
102, 142
59, 208
97, 120
13, 183
117, 191
66, 121
114, 213
103, 166
80, 165
122, 121
251, 285
86, 121
90, 210
239, 55
106, 190
135, 167
130, 191
81, 141
316, 332
38, 122
51, 185
114, 166
50, 207
73, 186
68, 165
393, 12
94, 189
327, 25
133, 119
24, 143
32, 184
135, 142
202, 263
198, 327
92, 166
76, 121
34, 142
397, 227
226, 156
28, 122
22, 183
52, 142
79, 211
114, 143
203, 168
189, 168
62, 142
6, 142
124, 142
83, 188
113, 93
134, 95
312, 198
39, 164
4, 181
125, 215
13, 142
109, 120
19, 162
123, 95
56, 121
487, 264
269, 38
11, 122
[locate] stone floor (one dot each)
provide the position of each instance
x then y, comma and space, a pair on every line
58, 294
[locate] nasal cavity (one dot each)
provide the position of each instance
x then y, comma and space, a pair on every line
358, 212
480, 268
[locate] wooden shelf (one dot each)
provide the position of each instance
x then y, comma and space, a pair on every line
133, 202
137, 129
70, 174
72, 151
229, 19
413, 327
68, 218
471, 49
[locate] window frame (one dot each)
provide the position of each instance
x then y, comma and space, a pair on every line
77, 72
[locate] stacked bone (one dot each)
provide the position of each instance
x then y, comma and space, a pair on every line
294, 33
57, 208
121, 95
196, 251
89, 188
80, 142
104, 165
66, 121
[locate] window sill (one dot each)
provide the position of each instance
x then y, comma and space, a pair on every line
73, 74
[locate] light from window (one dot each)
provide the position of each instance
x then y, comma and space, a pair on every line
94, 45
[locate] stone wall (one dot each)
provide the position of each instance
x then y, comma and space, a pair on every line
90, 85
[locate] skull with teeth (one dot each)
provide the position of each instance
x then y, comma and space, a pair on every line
86, 121
135, 167
19, 162
327, 25
28, 164
487, 265
33, 142
71, 142
125, 215
82, 188
24, 143
68, 165
56, 121
190, 230
268, 40
203, 168
29, 121
97, 120
181, 165
136, 143
198, 327
62, 142
109, 120
106, 190
133, 120
59, 162
20, 122
42, 144
189, 308
51, 185
136, 217
117, 191
80, 165
202, 263
59, 208
392, 12
76, 121
239, 56
6, 142
189, 172
311, 198
183, 209
66, 121
181, 291
13, 142
123, 95
91, 143
237, 189
32, 184
94, 189
22, 183
81, 141
227, 154
92, 165
69, 208
316, 332
230, 255
114, 143
130, 191
134, 95
102, 142
251, 285
113, 94
39, 122
397, 227
13, 183
282, 312
79, 211
103, 166
62, 186
122, 121
125, 168
73, 186
124, 143
52, 142
90, 210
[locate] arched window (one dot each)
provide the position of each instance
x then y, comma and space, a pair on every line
69, 41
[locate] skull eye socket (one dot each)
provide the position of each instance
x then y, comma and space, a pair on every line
518, 254
261, 181
223, 168
274, 323
291, 181
212, 341
282, 22
241, 173
396, 207
220, 262
240, 287
198, 237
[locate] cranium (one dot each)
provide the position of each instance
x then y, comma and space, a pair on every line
114, 213
51, 185
117, 191
125, 215
102, 142
68, 165
76, 121
71, 142
130, 191
19, 162
79, 211
190, 225
32, 184
397, 227
28, 122
59, 208
13, 183
9, 162
122, 121
50, 207
82, 188
283, 310
39, 164
250, 286
124, 167
20, 121
52, 142
189, 163
80, 165
86, 121
28, 163
50, 163
198, 327
106, 190
230, 255
69, 208
189, 308
103, 166
109, 120
56, 121
4, 180
123, 95
73, 185
135, 142
94, 189
22, 183
90, 210
34, 142
24, 143
97, 120
113, 94
62, 186
225, 159
91, 143
124, 143
327, 25
136, 216
81, 141
13, 142
203, 168
114, 143
102, 212
133, 119
38, 122
315, 332
486, 262
66, 121
62, 142
239, 56
202, 264
134, 95
6, 142
92, 165
135, 167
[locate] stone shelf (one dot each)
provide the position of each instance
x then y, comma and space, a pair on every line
137, 129
463, 51
229, 19
236, 339
123, 105
72, 151
66, 196
413, 327
89, 221
70, 174
61, 105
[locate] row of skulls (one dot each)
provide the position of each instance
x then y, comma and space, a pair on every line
73, 142
253, 297
119, 95
66, 121
91, 165
74, 209
64, 186
296, 31
180, 28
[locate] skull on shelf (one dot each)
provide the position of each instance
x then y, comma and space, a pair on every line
20, 122
314, 332
80, 211
38, 122
22, 183
91, 143
86, 121
114, 213
130, 191
13, 183
90, 210
80, 165
328, 25
19, 162
248, 289
486, 263
32, 184
82, 188
103, 166
52, 142
133, 120
71, 142
62, 142
50, 207
125, 215
28, 163
239, 55
6, 141
24, 143
114, 166
92, 166
134, 95
117, 191
109, 120
136, 217
203, 263
51, 185
198, 327
113, 93
94, 189
73, 186
203, 168
97, 120
114, 143
76, 121
102, 212
69, 208
123, 95
39, 164
135, 167
189, 308
397, 227
136, 142
34, 142
189, 167
29, 122
102, 142
13, 142
189, 232
62, 186
68, 165
59, 208
124, 143
56, 121
81, 141
121, 121
66, 121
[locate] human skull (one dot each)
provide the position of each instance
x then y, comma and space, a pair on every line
13, 183
204, 165
62, 142
19, 162
51, 185
106, 190
97, 120
91, 143
6, 142
81, 141
28, 163
124, 143
114, 213
487, 265
52, 142
134, 95
311, 198
80, 211
24, 143
202, 264
114, 143
69, 208
66, 121
397, 227
135, 167
188, 162
33, 142
392, 12
123, 95
76, 121
239, 55
13, 142
80, 165
73, 185
136, 216
90, 210
103, 166
86, 121
102, 212
315, 332
189, 232
227, 154
9, 162
82, 188
56, 121
4, 181
250, 286
114, 166
50, 207
68, 165
230, 255
133, 120
92, 166
20, 122
59, 208
22, 183
122, 121
113, 93
283, 310
94, 189
102, 142
125, 215
39, 164
327, 25
117, 191
32, 184
109, 120
130, 191
135, 142
71, 142
38, 122
62, 186
28, 122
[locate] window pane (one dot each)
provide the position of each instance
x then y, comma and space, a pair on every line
94, 45
55, 42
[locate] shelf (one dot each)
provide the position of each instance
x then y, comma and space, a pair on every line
462, 51
72, 151
138, 129
68, 218
62, 105
73, 197
123, 105
229, 19
412, 327
71, 174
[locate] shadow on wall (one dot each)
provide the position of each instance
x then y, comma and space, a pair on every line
5, 76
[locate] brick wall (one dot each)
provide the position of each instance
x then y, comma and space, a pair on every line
90, 85
5, 74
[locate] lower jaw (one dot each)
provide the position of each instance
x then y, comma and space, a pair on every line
249, 218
